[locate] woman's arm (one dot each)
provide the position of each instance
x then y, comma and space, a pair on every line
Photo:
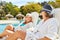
5, 33
16, 35
45, 38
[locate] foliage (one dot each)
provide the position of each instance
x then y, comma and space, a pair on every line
6, 7
13, 9
30, 7
55, 4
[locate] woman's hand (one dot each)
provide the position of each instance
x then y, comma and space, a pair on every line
21, 34
18, 34
45, 38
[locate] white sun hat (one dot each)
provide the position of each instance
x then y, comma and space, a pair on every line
28, 14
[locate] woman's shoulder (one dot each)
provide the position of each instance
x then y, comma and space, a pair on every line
54, 21
53, 18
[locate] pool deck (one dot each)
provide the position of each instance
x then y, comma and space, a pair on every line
9, 22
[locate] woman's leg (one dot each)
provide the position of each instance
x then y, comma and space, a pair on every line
3, 34
16, 35
6, 32
9, 27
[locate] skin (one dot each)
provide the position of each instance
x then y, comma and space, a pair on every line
28, 19
44, 15
17, 34
5, 32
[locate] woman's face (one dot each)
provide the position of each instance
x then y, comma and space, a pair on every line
43, 14
28, 19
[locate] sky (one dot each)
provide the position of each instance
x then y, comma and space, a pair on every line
23, 2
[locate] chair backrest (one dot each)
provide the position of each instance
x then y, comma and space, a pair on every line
57, 16
35, 17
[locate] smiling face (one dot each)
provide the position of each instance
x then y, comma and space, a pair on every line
45, 15
28, 19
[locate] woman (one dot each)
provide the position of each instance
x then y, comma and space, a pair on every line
26, 24
23, 26
45, 30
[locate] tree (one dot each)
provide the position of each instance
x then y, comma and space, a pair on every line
13, 9
2, 13
57, 0
30, 7
55, 4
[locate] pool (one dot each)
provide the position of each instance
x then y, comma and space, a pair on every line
3, 26
4, 23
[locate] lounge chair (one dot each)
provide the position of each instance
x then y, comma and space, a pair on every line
57, 16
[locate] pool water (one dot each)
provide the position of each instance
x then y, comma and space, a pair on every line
3, 26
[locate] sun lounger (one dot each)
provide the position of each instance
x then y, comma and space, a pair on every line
57, 16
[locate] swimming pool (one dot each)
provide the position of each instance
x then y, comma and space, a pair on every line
3, 26
4, 23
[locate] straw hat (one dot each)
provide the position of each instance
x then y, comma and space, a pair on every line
9, 15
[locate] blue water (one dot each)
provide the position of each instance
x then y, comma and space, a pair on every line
3, 26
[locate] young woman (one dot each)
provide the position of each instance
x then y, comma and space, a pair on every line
23, 26
26, 24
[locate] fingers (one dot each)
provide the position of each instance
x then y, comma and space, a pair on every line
21, 34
